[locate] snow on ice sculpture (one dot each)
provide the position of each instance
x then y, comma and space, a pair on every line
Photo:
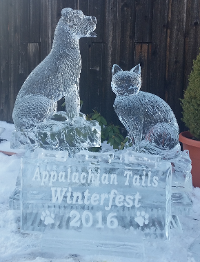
149, 120
36, 121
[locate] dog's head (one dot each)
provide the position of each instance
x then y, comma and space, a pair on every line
78, 23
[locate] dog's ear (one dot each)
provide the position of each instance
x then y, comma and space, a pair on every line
116, 69
67, 14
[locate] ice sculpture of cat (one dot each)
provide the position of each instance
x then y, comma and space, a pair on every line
145, 116
57, 75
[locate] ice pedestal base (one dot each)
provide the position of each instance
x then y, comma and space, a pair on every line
60, 133
181, 182
107, 202
181, 201
14, 199
181, 178
87, 245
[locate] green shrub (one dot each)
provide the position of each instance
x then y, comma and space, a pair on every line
110, 133
191, 101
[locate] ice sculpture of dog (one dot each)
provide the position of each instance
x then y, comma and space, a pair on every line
144, 115
57, 75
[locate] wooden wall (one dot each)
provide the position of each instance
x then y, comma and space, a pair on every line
162, 35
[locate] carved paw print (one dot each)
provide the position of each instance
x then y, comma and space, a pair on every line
47, 217
142, 218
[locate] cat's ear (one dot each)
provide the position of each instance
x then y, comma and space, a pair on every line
136, 69
116, 69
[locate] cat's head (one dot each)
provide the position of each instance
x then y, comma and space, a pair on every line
126, 82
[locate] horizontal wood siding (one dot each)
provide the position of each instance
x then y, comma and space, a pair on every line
162, 35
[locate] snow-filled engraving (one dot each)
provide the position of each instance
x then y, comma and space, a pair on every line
47, 217
142, 218
149, 120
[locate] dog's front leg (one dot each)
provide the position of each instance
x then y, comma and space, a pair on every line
72, 103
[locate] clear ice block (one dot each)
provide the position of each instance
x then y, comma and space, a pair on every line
71, 136
102, 201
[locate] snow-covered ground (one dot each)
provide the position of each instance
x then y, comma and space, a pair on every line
18, 247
